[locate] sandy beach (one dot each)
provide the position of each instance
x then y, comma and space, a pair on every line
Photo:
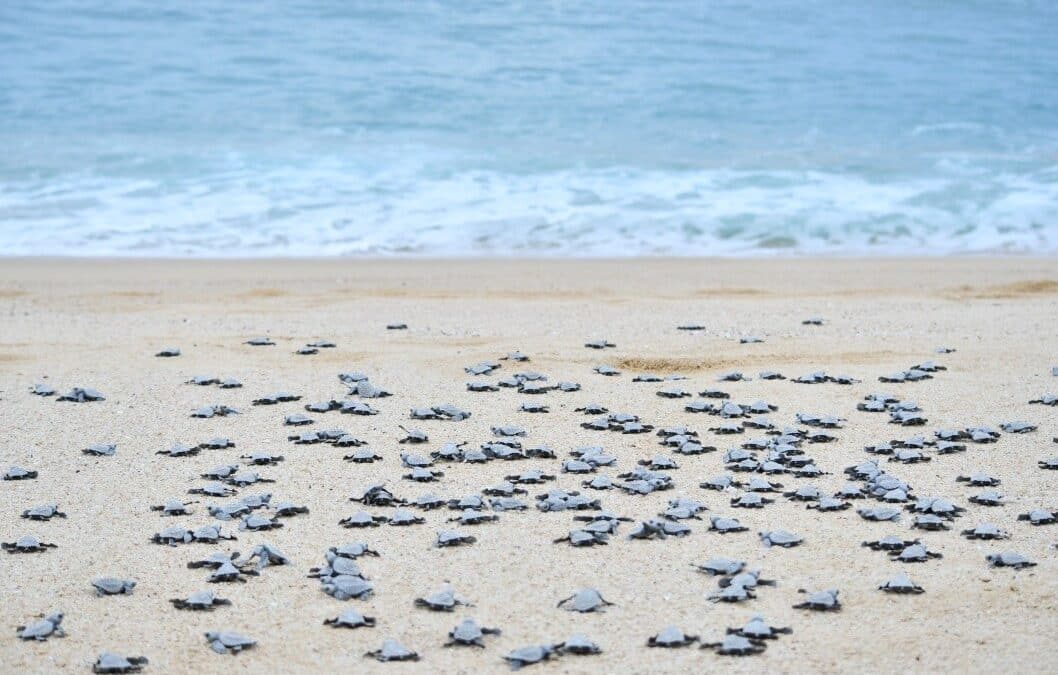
98, 323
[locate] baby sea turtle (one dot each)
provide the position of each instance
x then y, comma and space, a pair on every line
671, 636
201, 601
735, 645
352, 551
414, 436
41, 389
227, 572
180, 450
82, 395
1018, 427
469, 633
721, 567
259, 341
363, 456
43, 512
444, 600
879, 514
1009, 559
226, 642
113, 586
901, 583
584, 600
41, 630
584, 537
101, 450
578, 644
606, 370
524, 656
978, 480
168, 352
723, 525
759, 629
914, 553
985, 531
988, 498
824, 601
109, 662
18, 473
732, 593
391, 650
449, 538
780, 538
350, 618
1040, 517
26, 545
362, 519
344, 587
1046, 399
288, 509
396, 326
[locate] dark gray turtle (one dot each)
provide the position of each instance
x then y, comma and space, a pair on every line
220, 472
391, 650
482, 368
214, 411
508, 504
307, 350
168, 352
346, 441
262, 458
229, 383
218, 443
759, 629
749, 579
750, 500
344, 587
276, 398
606, 370
41, 630
101, 450
18, 473
173, 536
1040, 517
780, 538
362, 519
473, 517
449, 538
297, 420
259, 341
1009, 559
901, 583
109, 662
352, 551
350, 618
444, 600
823, 601
578, 644
113, 586
671, 636
929, 521
723, 525
599, 344
288, 509
481, 386
256, 523
721, 567
213, 560
534, 408
180, 450
414, 436
720, 483
201, 601
203, 380
82, 395
210, 534
43, 512
421, 475
336, 566
428, 502
226, 642
1048, 464
890, 543
914, 553
985, 531
41, 389
396, 326
584, 600
735, 645
731, 593
245, 478
377, 495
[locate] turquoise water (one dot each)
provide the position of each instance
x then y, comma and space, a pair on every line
554, 128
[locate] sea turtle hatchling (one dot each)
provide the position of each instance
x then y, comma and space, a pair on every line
82, 395
227, 642
670, 637
781, 538
180, 450
350, 618
345, 587
524, 656
41, 389
26, 544
914, 553
901, 583
444, 600
578, 644
759, 629
822, 601
1040, 517
723, 525
469, 634
200, 601
721, 567
1009, 559
43, 512
101, 450
42, 629
985, 531
113, 586
584, 600
391, 650
450, 538
109, 662
168, 352
18, 473
735, 645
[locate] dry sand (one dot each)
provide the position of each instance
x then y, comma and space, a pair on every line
98, 323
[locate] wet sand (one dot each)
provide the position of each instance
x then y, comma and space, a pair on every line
97, 323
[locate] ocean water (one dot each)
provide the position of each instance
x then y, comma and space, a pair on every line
495, 127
